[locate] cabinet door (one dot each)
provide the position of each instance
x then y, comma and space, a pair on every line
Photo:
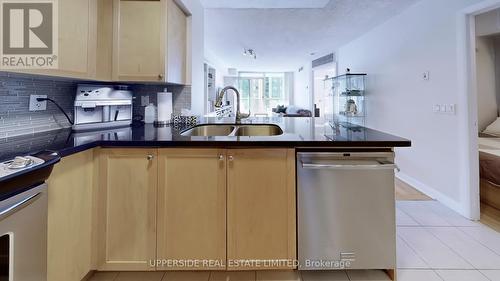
70, 223
127, 191
192, 207
261, 207
139, 40
77, 37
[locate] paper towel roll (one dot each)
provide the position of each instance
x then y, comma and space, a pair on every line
164, 100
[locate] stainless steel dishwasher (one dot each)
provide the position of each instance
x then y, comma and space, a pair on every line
346, 210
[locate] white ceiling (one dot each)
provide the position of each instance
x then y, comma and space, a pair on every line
284, 38
264, 4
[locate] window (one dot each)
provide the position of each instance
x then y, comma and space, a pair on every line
261, 92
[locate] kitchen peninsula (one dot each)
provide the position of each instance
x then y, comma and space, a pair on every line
147, 198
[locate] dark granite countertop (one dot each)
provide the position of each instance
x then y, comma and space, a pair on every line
298, 132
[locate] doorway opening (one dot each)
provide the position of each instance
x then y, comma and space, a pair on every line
471, 50
487, 88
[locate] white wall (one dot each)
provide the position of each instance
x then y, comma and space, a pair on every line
486, 82
220, 67
395, 54
196, 46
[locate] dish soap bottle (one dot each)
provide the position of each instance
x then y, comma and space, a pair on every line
150, 114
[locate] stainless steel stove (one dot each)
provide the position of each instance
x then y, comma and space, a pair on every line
23, 218
19, 164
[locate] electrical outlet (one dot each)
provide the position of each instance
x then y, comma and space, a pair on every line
37, 105
426, 75
144, 100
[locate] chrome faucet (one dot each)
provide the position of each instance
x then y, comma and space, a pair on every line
218, 103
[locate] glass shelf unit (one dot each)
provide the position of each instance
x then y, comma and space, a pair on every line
349, 108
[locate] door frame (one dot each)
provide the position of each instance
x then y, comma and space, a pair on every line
466, 52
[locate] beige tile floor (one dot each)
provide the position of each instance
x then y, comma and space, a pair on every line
242, 276
433, 244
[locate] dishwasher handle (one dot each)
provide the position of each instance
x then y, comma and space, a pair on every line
321, 166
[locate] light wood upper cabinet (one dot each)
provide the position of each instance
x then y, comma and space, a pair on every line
121, 40
77, 38
70, 218
261, 206
104, 56
149, 41
127, 209
192, 207
139, 44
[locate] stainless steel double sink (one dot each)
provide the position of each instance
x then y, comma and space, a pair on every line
249, 130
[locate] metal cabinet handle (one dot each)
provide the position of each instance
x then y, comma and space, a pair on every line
349, 167
160, 76
150, 157
221, 157
4, 213
231, 158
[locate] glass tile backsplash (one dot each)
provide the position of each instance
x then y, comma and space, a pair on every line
15, 91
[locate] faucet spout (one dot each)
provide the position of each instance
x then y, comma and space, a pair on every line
220, 97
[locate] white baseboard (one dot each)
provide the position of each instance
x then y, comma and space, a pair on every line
433, 193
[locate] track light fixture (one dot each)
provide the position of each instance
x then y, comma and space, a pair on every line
250, 52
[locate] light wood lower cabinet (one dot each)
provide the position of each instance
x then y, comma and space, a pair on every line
192, 208
127, 209
261, 217
212, 206
70, 218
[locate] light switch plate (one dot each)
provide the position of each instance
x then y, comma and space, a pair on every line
37, 105
449, 109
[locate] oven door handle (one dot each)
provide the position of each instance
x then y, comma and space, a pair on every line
381, 166
10, 210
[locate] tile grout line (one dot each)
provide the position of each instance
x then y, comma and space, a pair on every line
484, 275
473, 238
433, 268
413, 250
428, 210
477, 270
451, 248
116, 276
347, 274
406, 213
438, 275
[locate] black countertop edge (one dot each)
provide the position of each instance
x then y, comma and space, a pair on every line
297, 133
229, 144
